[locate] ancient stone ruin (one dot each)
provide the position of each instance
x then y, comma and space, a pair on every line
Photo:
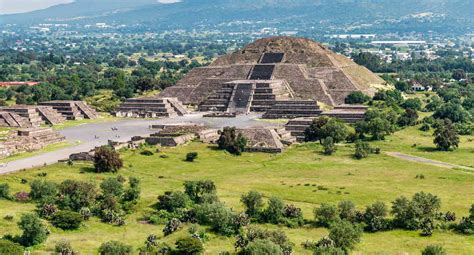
347, 113
11, 119
29, 139
268, 74
151, 108
72, 110
35, 114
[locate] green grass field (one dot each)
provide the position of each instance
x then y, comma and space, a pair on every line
293, 176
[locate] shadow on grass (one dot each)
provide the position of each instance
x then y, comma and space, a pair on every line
427, 149
87, 169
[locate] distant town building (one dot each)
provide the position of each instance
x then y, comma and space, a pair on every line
18, 83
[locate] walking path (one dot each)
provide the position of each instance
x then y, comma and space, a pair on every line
427, 161
97, 134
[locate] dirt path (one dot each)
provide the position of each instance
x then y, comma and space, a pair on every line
427, 161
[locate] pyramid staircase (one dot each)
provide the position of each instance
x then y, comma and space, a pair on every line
11, 119
86, 111
297, 126
50, 115
290, 109
151, 108
68, 109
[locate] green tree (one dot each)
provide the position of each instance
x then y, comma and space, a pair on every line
452, 111
446, 136
107, 160
115, 248
5, 191
362, 149
34, 231
324, 127
67, 220
412, 103
201, 191
112, 187
261, 247
347, 211
329, 146
345, 235
402, 86
253, 202
408, 118
232, 142
369, 60
357, 97
274, 211
326, 214
189, 246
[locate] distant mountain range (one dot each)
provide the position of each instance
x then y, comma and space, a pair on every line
394, 15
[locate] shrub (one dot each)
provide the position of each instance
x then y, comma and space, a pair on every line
76, 195
112, 187
41, 189
260, 247
362, 150
218, 216
374, 217
172, 226
22, 197
329, 146
434, 250
274, 211
152, 246
324, 127
446, 136
253, 234
107, 160
253, 203
412, 103
347, 211
5, 191
86, 213
67, 220
408, 118
34, 231
115, 248
191, 156
356, 98
63, 247
230, 141
189, 246
47, 210
172, 201
10, 248
410, 214
200, 191
345, 235
325, 215
8, 217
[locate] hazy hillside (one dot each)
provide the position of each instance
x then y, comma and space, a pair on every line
442, 14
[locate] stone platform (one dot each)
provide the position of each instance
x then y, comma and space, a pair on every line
151, 108
29, 139
36, 115
72, 110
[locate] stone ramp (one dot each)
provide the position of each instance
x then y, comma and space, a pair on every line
241, 98
178, 106
11, 119
50, 115
86, 111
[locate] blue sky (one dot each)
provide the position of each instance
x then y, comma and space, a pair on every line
17, 6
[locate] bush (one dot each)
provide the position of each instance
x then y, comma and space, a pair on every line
356, 97
329, 146
107, 160
375, 217
325, 215
362, 150
231, 142
67, 220
10, 248
5, 191
434, 250
41, 189
172, 201
34, 231
22, 197
218, 216
345, 235
347, 211
115, 248
274, 211
191, 156
172, 226
253, 202
410, 214
112, 187
86, 213
189, 246
253, 234
75, 195
201, 191
63, 247
261, 247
